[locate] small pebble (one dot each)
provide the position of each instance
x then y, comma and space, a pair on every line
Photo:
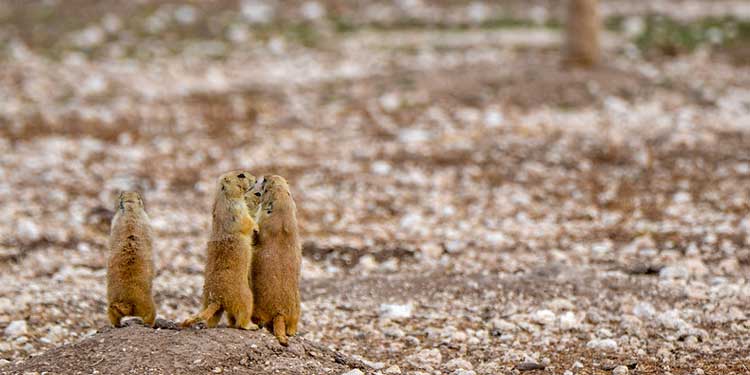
392, 370
395, 311
16, 328
529, 366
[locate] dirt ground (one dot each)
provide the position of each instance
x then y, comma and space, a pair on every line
142, 350
467, 205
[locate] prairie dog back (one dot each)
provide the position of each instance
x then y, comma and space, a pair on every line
130, 269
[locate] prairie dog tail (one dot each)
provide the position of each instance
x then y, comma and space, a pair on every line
203, 316
279, 329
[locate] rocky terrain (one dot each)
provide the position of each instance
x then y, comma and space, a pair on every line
467, 205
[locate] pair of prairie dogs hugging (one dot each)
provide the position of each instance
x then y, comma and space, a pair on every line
253, 265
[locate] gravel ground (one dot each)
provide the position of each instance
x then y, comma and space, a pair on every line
466, 204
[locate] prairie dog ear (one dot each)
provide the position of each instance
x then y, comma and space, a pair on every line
143, 201
118, 202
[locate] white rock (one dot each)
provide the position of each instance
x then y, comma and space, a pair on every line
256, 11
27, 231
380, 167
539, 14
4, 362
454, 246
602, 344
674, 272
238, 33
390, 102
354, 372
631, 324
477, 12
497, 238
393, 332
111, 23
493, 119
601, 248
392, 370
312, 10
395, 311
644, 310
559, 304
367, 262
456, 336
604, 332
671, 320
16, 328
5, 305
426, 359
431, 250
464, 372
543, 317
390, 265
89, 37
634, 26
414, 136
56, 333
503, 325
457, 364
95, 84
569, 321
373, 365
411, 221
185, 14
620, 370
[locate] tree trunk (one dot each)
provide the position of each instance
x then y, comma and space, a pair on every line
582, 33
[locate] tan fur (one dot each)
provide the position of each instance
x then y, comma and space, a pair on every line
277, 260
582, 33
230, 252
130, 269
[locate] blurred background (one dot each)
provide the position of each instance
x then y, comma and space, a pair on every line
552, 181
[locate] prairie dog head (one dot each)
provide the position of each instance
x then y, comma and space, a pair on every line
274, 194
229, 207
129, 201
234, 184
129, 207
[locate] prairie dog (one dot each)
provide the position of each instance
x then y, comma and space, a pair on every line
225, 287
277, 260
130, 269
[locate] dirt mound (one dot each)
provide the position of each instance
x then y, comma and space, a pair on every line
141, 350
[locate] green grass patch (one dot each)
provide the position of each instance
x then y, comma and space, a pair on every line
670, 37
411, 24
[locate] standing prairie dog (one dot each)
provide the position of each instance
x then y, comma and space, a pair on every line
277, 260
230, 249
130, 270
